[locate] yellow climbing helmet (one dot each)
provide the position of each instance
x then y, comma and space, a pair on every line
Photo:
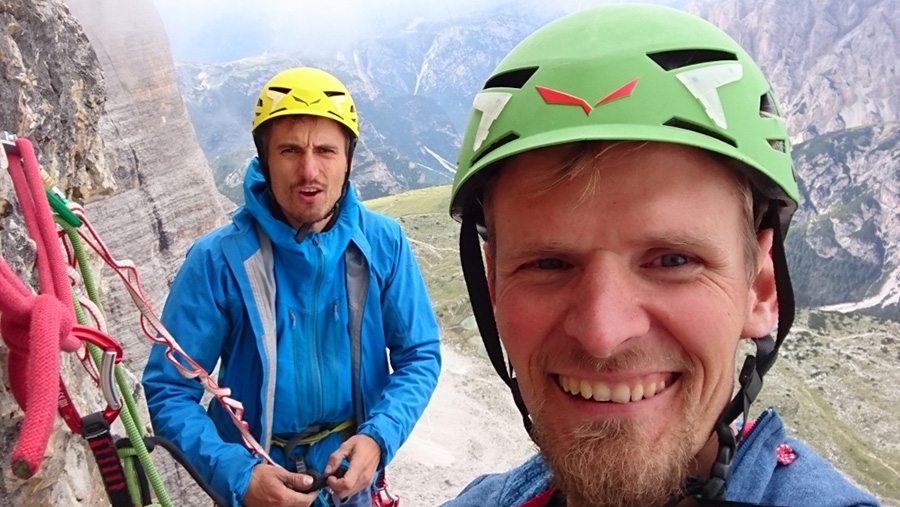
305, 90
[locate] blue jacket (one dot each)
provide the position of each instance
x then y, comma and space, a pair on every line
756, 477
283, 341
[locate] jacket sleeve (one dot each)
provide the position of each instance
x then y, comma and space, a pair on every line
412, 337
195, 314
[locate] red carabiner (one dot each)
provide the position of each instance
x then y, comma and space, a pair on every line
383, 497
112, 355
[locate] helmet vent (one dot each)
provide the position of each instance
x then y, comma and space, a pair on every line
508, 138
671, 60
700, 129
767, 107
778, 145
334, 94
280, 89
511, 79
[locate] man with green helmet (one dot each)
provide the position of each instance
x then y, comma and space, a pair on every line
315, 311
628, 171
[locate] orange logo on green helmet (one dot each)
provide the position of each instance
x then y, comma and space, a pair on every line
552, 96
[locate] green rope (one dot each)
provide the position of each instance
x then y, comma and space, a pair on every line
131, 474
130, 416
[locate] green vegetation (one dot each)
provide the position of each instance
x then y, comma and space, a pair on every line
431, 200
821, 281
833, 383
835, 146
424, 216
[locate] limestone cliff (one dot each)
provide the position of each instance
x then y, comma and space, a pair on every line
92, 84
834, 62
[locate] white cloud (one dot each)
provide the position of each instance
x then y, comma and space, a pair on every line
199, 29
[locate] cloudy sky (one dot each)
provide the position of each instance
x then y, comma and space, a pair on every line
209, 31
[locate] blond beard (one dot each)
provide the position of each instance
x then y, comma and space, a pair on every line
611, 462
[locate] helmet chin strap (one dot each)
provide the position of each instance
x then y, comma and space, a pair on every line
711, 491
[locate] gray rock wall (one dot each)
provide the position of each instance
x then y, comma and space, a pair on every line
832, 63
92, 85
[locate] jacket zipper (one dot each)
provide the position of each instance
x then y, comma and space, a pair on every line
313, 334
756, 424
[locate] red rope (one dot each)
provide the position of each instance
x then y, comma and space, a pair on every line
35, 327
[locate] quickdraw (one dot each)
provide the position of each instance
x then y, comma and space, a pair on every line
37, 327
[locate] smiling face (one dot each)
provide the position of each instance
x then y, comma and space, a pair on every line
621, 311
307, 159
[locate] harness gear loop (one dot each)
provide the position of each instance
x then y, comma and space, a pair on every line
313, 434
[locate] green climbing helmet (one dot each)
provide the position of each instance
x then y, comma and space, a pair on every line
628, 72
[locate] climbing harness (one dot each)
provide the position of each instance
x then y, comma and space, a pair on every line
296, 461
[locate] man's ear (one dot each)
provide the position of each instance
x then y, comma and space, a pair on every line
489, 270
762, 314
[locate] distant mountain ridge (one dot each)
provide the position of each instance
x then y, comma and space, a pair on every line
834, 63
413, 90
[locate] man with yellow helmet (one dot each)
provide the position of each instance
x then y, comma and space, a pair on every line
298, 300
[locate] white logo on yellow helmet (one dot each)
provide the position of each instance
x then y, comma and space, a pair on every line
490, 104
704, 83
276, 98
338, 101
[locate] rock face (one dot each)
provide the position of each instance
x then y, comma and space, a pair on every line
92, 85
166, 197
52, 92
833, 62
835, 66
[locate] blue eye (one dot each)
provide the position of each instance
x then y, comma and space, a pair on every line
549, 264
673, 260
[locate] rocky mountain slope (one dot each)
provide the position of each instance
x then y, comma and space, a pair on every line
834, 63
836, 66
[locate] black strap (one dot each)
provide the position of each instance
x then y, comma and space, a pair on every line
480, 297
755, 367
557, 499
95, 429
476, 282
150, 442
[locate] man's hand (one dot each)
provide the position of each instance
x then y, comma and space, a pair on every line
275, 486
363, 454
